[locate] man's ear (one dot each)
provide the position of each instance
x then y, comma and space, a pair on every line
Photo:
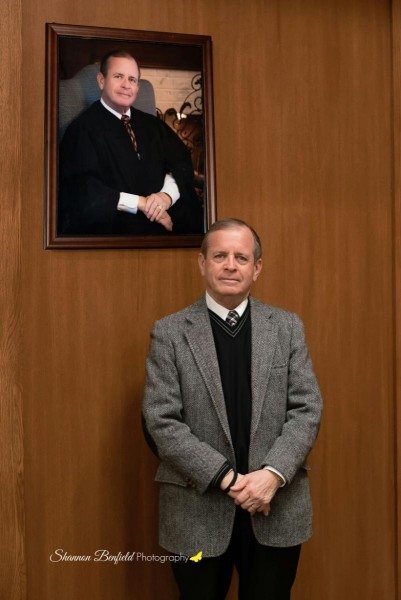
100, 80
201, 263
257, 269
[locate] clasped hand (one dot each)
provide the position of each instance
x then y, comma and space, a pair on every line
254, 491
155, 207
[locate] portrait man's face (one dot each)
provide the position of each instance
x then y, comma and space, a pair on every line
120, 85
229, 267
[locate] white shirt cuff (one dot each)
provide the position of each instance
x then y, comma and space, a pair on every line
128, 202
171, 188
273, 470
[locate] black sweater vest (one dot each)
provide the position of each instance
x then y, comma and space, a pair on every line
233, 347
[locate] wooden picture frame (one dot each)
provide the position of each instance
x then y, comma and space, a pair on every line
70, 50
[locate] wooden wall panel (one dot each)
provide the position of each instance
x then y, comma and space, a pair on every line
12, 572
304, 152
396, 31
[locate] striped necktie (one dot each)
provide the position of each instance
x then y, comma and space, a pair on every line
127, 124
232, 318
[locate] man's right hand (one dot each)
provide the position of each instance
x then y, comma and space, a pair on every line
166, 222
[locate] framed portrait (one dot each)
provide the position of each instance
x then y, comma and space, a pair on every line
129, 138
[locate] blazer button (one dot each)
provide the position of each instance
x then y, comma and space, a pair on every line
226, 441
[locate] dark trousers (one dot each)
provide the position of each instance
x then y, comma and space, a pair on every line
265, 572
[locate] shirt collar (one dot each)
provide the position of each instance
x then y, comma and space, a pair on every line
114, 112
222, 311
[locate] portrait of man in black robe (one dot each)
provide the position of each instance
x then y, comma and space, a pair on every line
123, 171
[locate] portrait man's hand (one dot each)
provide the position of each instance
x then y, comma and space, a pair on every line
166, 222
156, 206
254, 491
163, 217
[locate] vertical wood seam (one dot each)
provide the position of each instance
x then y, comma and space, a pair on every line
396, 231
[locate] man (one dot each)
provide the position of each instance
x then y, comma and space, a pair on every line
233, 407
123, 171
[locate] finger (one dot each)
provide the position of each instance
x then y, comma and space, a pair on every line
234, 496
252, 508
152, 203
248, 503
157, 211
153, 212
264, 510
239, 485
159, 215
149, 201
167, 222
242, 498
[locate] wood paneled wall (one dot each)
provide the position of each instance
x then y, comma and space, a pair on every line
304, 146
396, 40
12, 575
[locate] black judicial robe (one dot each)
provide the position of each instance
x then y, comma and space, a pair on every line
98, 161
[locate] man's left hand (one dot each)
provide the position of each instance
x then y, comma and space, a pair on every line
255, 490
156, 206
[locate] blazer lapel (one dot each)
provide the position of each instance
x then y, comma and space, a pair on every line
264, 340
200, 339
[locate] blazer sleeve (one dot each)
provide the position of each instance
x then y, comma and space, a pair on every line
177, 446
304, 407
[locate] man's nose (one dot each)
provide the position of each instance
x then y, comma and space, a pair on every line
230, 263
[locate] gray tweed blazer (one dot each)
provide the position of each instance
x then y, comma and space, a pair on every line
185, 414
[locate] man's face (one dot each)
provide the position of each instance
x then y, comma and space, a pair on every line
120, 85
229, 268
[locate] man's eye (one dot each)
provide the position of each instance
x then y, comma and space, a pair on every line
242, 259
219, 256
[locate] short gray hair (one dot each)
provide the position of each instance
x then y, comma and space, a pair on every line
233, 224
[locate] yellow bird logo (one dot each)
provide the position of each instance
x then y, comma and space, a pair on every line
196, 557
